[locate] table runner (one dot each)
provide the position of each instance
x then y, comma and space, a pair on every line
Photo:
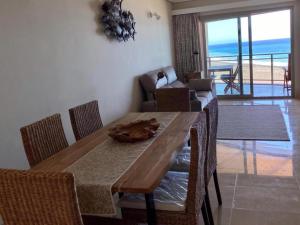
97, 171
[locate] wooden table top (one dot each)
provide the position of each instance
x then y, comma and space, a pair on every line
146, 173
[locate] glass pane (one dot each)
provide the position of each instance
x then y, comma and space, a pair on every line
223, 51
271, 34
245, 56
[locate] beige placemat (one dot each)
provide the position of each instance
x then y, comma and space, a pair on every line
100, 169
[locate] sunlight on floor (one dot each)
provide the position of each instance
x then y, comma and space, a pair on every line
233, 159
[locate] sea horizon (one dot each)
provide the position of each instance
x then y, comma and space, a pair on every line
272, 46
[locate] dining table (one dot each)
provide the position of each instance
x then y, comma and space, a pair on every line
101, 164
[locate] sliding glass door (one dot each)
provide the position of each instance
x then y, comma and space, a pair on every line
249, 56
227, 50
271, 34
246, 56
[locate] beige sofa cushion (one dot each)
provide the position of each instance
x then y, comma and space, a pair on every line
204, 101
170, 71
178, 84
206, 94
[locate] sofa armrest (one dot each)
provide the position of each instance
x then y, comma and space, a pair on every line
201, 84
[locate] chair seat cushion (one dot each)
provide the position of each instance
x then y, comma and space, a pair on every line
182, 161
205, 97
169, 196
204, 101
206, 94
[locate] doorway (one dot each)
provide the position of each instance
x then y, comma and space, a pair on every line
250, 55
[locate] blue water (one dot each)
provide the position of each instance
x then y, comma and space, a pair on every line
259, 47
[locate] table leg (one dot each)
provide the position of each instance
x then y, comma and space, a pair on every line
151, 213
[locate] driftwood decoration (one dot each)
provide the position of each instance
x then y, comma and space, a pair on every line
140, 130
118, 23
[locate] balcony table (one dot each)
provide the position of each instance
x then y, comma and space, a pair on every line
145, 174
224, 68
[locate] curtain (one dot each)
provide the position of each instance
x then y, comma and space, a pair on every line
189, 44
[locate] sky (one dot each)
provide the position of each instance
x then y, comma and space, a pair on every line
275, 25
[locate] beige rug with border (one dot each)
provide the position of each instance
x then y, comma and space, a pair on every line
251, 122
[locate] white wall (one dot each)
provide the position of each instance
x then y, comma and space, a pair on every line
53, 58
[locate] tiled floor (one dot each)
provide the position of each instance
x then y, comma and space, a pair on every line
260, 179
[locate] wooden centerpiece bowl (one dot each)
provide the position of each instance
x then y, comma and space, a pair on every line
140, 130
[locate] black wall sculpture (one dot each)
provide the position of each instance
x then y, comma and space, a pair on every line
118, 23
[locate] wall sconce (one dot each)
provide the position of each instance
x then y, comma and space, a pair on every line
154, 14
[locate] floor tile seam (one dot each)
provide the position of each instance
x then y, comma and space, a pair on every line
265, 211
233, 200
270, 188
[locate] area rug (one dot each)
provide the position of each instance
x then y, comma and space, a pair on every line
253, 122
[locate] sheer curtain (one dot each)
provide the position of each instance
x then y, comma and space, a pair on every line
189, 44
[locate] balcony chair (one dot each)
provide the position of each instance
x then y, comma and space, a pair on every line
85, 119
288, 74
229, 80
180, 198
43, 139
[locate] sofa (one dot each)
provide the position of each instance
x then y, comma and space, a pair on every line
202, 90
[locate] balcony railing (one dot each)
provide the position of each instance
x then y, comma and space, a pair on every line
275, 61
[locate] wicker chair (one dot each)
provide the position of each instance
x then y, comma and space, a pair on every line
194, 202
38, 198
212, 112
183, 159
85, 119
173, 100
43, 139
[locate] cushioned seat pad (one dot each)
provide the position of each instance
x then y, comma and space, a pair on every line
169, 196
182, 161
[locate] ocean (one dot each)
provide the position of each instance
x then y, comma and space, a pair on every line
268, 47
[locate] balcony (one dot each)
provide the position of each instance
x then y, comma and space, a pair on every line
268, 74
